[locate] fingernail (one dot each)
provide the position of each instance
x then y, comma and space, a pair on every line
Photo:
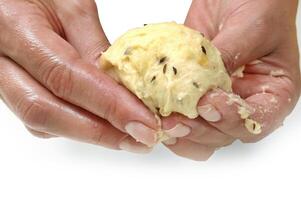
209, 113
131, 146
141, 133
180, 130
171, 141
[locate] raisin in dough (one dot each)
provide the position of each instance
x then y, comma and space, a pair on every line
168, 66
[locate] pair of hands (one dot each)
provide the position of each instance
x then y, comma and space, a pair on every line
49, 49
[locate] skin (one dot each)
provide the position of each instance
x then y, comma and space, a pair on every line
260, 34
48, 76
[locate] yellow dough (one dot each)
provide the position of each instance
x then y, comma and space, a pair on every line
168, 66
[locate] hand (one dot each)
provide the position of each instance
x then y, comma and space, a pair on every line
257, 34
48, 76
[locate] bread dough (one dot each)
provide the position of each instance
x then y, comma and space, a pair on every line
168, 66
245, 111
251, 125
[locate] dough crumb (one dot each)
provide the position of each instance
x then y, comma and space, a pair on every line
234, 98
274, 100
277, 73
253, 126
264, 88
239, 73
244, 112
237, 56
212, 95
255, 62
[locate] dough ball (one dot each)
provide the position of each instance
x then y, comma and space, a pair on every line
168, 66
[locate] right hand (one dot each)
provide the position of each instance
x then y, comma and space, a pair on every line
48, 76
244, 31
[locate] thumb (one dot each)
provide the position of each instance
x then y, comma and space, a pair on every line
242, 43
82, 28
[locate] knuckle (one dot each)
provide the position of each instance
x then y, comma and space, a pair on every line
59, 80
110, 110
94, 52
262, 22
97, 136
231, 127
98, 139
83, 8
32, 112
221, 141
260, 27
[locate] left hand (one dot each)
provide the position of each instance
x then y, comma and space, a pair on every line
244, 31
48, 76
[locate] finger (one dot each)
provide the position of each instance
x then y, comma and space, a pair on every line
273, 96
58, 66
200, 132
191, 150
202, 17
212, 139
131, 145
45, 113
221, 110
40, 134
82, 28
127, 144
280, 86
278, 73
250, 119
241, 44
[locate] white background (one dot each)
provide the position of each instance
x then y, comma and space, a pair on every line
31, 168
